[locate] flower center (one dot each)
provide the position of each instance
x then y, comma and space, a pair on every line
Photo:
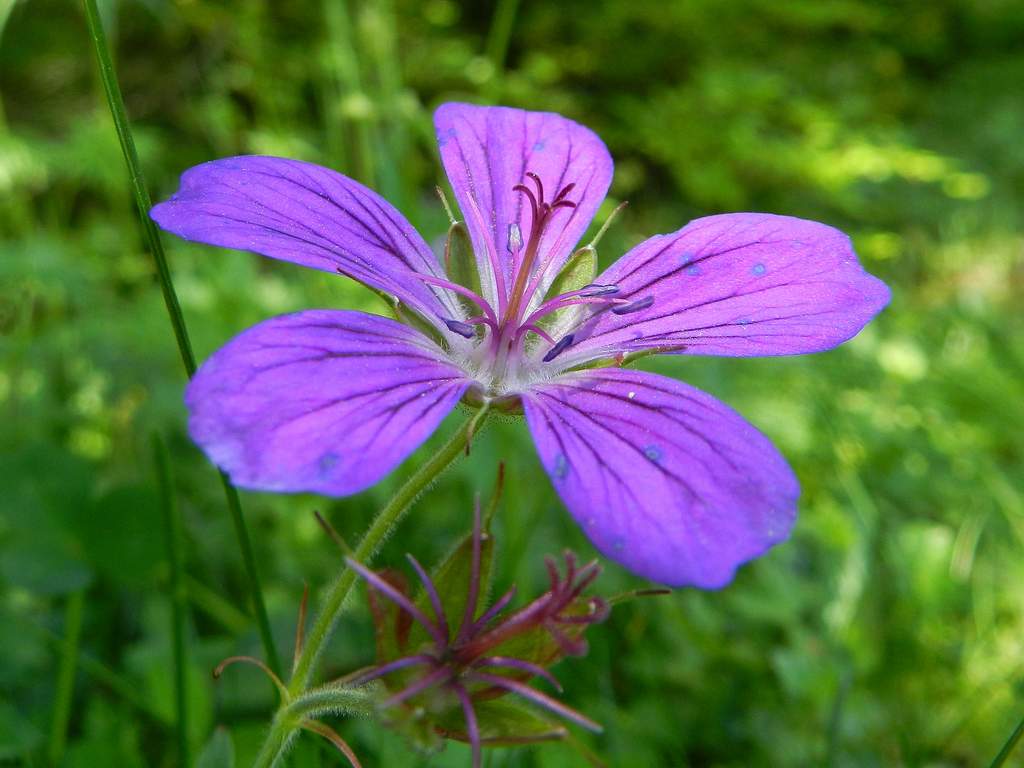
501, 357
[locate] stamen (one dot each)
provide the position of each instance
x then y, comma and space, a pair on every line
596, 289
481, 320
524, 329
633, 306
565, 191
462, 291
563, 344
571, 299
540, 186
533, 200
562, 204
515, 238
461, 328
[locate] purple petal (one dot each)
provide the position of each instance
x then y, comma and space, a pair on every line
320, 401
309, 215
663, 478
488, 150
738, 284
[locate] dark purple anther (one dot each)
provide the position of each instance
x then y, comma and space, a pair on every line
633, 306
461, 328
594, 289
564, 343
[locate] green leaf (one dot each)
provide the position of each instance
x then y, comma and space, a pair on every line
503, 721
44, 490
109, 737
121, 536
18, 737
219, 751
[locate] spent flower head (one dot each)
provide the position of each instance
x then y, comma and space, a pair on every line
662, 477
443, 681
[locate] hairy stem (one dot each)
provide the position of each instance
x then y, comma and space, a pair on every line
287, 721
142, 201
382, 525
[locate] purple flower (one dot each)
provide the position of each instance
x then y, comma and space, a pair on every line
663, 478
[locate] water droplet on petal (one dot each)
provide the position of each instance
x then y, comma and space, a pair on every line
561, 466
758, 270
693, 270
328, 462
631, 395
653, 453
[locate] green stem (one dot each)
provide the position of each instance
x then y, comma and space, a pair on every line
143, 202
382, 525
286, 721
172, 538
1009, 746
498, 39
66, 676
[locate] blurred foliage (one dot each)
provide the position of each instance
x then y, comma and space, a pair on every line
889, 631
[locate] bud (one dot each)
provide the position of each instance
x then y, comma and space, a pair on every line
446, 665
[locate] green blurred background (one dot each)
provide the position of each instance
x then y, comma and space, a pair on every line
888, 631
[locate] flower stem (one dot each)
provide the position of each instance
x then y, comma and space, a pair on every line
66, 675
382, 525
287, 720
1009, 746
142, 200
172, 539
498, 38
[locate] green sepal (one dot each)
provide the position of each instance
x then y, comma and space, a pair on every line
579, 270
391, 625
460, 262
502, 722
403, 314
417, 722
621, 361
451, 579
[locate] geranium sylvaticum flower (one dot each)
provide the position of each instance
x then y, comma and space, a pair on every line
446, 678
663, 478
